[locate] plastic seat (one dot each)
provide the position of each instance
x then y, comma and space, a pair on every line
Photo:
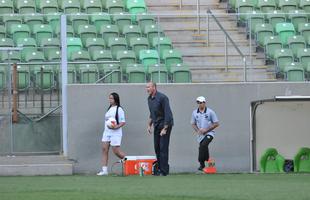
41, 31
244, 6
92, 6
287, 5
73, 44
144, 19
152, 31
109, 31
28, 45
285, 30
32, 19
77, 19
23, 76
282, 57
135, 7
304, 29
53, 19
131, 31
25, 6
94, 44
15, 56
276, 17
158, 73
296, 42
149, 57
117, 44
262, 31
101, 55
125, 57
121, 19
305, 5
180, 73
2, 79
254, 18
70, 6
303, 56
99, 19
266, 6
271, 161
44, 77
2, 32
49, 44
47, 6
271, 44
302, 160
34, 56
86, 31
6, 7
53, 55
88, 73
136, 73
138, 44
161, 44
70, 31
294, 72
10, 19
171, 56
19, 31
71, 73
6, 42
81, 55
115, 6
297, 16
111, 71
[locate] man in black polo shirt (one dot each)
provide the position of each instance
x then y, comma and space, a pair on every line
162, 120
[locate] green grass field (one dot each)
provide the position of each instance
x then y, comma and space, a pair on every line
176, 187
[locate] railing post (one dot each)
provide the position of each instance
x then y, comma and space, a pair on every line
15, 92
208, 29
245, 69
226, 54
198, 15
250, 34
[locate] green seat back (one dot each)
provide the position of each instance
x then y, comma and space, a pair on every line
101, 55
42, 31
282, 57
271, 44
93, 6
296, 42
302, 160
109, 31
99, 19
262, 31
285, 30
125, 57
138, 44
136, 74
303, 56
70, 6
148, 57
271, 161
117, 44
180, 73
158, 73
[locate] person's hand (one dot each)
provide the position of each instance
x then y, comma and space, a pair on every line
149, 129
202, 131
163, 132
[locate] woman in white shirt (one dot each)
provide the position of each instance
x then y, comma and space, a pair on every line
112, 135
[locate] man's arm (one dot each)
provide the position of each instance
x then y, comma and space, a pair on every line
212, 127
149, 126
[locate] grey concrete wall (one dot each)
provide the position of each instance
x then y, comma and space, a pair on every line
230, 148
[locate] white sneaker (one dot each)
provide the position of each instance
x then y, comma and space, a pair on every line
102, 173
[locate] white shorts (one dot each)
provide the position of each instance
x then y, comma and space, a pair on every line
115, 140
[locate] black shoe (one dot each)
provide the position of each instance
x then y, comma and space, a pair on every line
162, 174
201, 168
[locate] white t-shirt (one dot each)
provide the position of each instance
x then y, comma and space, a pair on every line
121, 118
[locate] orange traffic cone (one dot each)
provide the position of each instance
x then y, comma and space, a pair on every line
210, 168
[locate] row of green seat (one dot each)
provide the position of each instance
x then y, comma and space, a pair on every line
273, 162
71, 6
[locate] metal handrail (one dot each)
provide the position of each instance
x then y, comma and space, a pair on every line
232, 42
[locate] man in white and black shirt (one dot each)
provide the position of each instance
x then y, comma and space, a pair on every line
204, 121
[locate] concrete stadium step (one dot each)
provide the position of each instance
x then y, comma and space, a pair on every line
35, 165
176, 4
213, 50
219, 61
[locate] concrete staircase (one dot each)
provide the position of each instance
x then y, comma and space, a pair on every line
206, 59
35, 165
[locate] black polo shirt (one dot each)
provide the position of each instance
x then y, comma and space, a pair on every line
160, 111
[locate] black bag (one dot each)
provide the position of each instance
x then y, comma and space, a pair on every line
288, 166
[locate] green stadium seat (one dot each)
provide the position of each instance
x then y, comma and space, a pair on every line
131, 31
161, 44
296, 42
71, 73
6, 7
53, 55
244, 6
121, 19
308, 40
44, 79
70, 31
305, 5
125, 57
86, 31
180, 73
262, 31
287, 5
94, 44
28, 44
101, 55
70, 6
136, 73
92, 6
115, 6
53, 19
25, 6
138, 44
149, 57
171, 56
2, 79
304, 29
144, 19
34, 56
109, 31
117, 44
99, 19
294, 72
152, 31
271, 161
302, 160
136, 7
41, 31
19, 31
49, 44
297, 16
275, 17
23, 76
73, 44
32, 19
266, 6
285, 30
254, 18
81, 55
10, 19
6, 42
282, 57
88, 73
77, 20
112, 72
15, 56
271, 44
158, 73
303, 56
47, 6
2, 32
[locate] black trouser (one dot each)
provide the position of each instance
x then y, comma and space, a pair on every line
204, 150
161, 146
